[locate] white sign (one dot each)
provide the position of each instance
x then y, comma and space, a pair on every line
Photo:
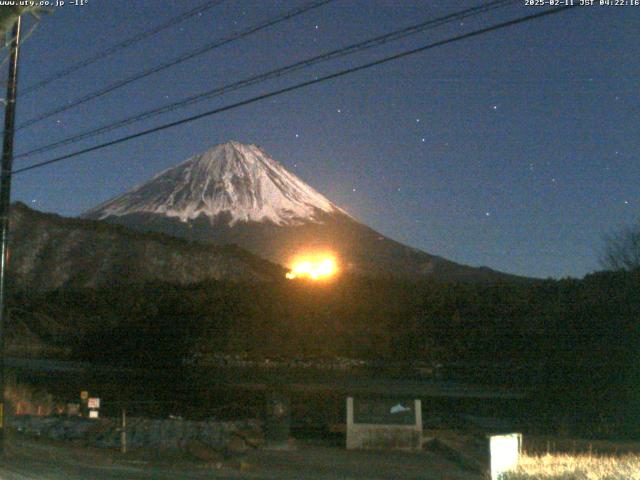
93, 414
94, 403
505, 452
399, 408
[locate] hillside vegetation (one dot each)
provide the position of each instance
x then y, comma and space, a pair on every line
50, 252
576, 467
575, 342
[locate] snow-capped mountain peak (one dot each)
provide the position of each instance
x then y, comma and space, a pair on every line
239, 180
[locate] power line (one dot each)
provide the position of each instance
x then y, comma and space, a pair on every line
122, 45
183, 58
298, 86
257, 79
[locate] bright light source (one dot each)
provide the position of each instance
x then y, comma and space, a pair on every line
504, 453
314, 267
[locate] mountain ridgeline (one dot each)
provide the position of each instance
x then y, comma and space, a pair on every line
237, 194
48, 252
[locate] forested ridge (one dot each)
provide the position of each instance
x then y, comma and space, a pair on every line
574, 343
591, 320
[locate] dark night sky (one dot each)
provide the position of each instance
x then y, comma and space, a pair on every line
517, 149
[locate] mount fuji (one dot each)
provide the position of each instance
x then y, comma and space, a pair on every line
237, 194
234, 180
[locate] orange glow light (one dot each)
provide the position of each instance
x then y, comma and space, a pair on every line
314, 267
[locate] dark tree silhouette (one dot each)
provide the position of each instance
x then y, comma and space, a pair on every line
622, 249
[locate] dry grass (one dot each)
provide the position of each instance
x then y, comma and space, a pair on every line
577, 467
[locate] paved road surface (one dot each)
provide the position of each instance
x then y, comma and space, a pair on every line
28, 459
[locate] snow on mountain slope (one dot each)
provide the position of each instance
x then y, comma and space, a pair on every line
237, 194
239, 180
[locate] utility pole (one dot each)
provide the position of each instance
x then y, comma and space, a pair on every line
5, 202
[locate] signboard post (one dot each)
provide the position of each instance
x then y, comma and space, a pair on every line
384, 424
93, 404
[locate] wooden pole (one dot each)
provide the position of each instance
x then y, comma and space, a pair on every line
123, 432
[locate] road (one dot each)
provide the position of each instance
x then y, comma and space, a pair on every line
29, 458
367, 382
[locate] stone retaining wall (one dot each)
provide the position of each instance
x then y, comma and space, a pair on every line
141, 432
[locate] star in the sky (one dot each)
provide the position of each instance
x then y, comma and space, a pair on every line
494, 107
